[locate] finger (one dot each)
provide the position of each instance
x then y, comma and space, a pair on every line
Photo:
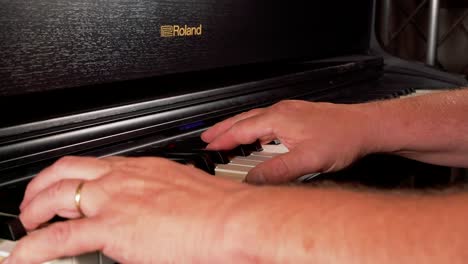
59, 199
69, 238
244, 132
86, 168
267, 139
221, 127
282, 168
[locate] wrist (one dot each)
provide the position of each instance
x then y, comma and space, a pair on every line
388, 126
254, 225
373, 135
271, 225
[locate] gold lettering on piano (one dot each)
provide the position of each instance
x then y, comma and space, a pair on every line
168, 31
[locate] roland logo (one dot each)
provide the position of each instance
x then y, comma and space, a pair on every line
168, 31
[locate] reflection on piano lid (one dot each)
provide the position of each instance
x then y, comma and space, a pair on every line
28, 147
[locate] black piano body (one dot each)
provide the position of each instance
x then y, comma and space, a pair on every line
100, 78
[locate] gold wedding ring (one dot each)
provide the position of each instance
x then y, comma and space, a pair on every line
78, 199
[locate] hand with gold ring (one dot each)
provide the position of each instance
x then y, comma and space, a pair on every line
78, 198
138, 210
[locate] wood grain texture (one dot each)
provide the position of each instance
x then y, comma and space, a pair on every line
52, 44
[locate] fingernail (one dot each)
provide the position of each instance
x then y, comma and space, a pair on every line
22, 205
5, 261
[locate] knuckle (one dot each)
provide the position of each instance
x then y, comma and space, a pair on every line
285, 105
243, 114
56, 190
140, 163
237, 132
63, 163
288, 108
255, 111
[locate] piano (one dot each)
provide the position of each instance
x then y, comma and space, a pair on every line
138, 78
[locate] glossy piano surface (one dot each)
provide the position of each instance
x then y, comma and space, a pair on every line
60, 45
39, 141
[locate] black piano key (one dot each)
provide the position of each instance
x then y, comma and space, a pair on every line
193, 150
274, 142
245, 150
409, 91
199, 160
182, 161
186, 143
219, 157
197, 146
256, 146
241, 150
11, 228
196, 143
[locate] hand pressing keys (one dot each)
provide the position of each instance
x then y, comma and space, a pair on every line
127, 202
316, 142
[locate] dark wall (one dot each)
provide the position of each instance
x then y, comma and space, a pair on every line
407, 37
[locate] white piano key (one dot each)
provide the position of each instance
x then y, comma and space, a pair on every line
232, 171
231, 168
421, 92
244, 162
275, 148
254, 158
239, 166
265, 154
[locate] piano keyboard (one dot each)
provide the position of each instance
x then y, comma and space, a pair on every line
231, 165
420, 92
239, 166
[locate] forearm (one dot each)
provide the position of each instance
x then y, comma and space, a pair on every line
332, 225
431, 128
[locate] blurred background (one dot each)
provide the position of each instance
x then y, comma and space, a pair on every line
403, 28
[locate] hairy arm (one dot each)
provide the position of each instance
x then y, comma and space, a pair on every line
150, 210
431, 128
332, 225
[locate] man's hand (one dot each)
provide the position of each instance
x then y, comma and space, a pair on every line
321, 137
138, 210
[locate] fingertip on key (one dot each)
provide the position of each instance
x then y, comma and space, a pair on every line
255, 177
